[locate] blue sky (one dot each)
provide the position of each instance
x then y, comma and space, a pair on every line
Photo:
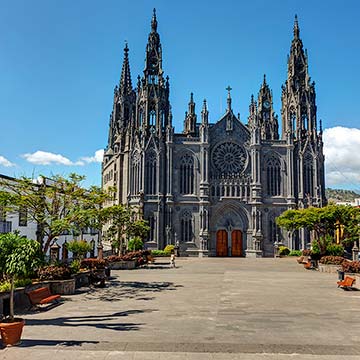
60, 61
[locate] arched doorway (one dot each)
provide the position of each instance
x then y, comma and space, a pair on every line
221, 243
229, 229
236, 243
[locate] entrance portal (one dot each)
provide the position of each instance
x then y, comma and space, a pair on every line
221, 243
236, 243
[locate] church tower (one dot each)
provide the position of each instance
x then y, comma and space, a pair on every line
268, 120
306, 186
148, 152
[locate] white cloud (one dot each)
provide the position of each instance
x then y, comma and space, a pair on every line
98, 157
47, 158
5, 162
342, 156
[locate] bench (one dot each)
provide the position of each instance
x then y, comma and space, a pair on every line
347, 283
42, 296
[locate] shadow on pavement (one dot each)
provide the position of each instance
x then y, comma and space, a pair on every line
137, 290
32, 342
97, 321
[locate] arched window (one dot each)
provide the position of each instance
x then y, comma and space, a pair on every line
273, 176
152, 228
152, 118
273, 229
187, 174
135, 173
150, 173
308, 175
186, 227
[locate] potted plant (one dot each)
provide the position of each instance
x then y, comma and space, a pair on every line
19, 257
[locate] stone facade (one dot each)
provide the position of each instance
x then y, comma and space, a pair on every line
215, 189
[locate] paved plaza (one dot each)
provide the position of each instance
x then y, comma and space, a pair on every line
211, 308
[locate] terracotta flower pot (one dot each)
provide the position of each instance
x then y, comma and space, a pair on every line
11, 332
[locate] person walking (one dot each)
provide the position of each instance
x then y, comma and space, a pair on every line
172, 259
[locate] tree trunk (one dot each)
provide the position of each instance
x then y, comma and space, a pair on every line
48, 243
11, 298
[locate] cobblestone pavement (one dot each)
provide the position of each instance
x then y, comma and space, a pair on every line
207, 308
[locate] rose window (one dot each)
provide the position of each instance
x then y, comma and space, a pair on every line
229, 158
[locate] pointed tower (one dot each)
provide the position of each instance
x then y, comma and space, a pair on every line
190, 118
298, 94
305, 159
151, 143
267, 118
123, 106
153, 90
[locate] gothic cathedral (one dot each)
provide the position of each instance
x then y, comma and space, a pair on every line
216, 188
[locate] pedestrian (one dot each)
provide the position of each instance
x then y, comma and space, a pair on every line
172, 259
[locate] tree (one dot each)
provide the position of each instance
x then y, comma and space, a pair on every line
322, 221
123, 223
19, 257
57, 205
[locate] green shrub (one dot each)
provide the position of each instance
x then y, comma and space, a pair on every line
79, 248
75, 266
168, 249
159, 253
135, 244
295, 253
5, 286
334, 250
284, 251
315, 250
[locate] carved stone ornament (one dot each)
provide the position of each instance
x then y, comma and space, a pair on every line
229, 158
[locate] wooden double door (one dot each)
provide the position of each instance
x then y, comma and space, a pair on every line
222, 248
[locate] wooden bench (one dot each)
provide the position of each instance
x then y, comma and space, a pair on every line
42, 296
347, 283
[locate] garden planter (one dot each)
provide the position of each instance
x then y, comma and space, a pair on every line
328, 268
11, 331
62, 287
81, 279
122, 265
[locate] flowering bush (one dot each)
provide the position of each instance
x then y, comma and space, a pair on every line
53, 272
140, 257
332, 260
351, 266
93, 264
113, 258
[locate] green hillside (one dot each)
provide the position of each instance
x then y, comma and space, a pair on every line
341, 195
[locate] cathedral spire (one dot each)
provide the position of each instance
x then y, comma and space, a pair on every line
153, 61
190, 118
154, 22
204, 114
296, 28
125, 85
